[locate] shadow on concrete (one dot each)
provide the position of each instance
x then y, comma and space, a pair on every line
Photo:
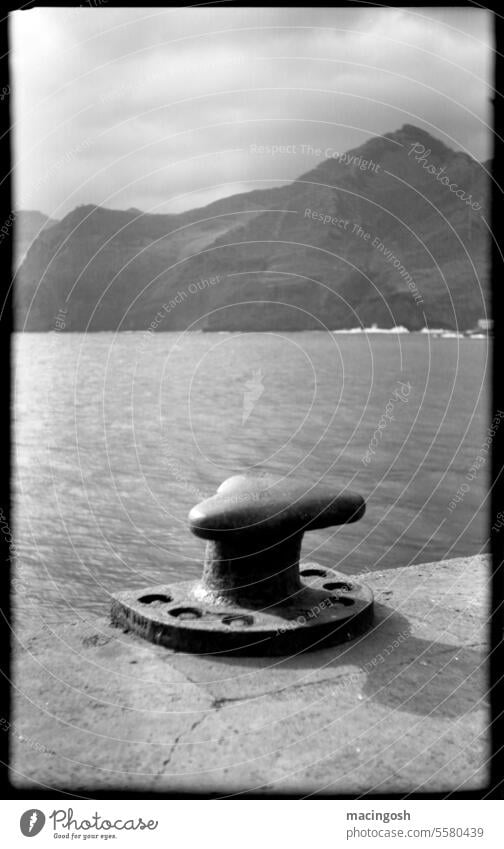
391, 667
423, 677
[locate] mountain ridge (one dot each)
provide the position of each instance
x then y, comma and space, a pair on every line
300, 255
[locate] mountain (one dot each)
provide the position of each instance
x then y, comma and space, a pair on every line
392, 232
28, 225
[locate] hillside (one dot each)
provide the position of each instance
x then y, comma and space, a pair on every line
376, 236
28, 225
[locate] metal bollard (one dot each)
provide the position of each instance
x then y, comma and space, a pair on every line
251, 599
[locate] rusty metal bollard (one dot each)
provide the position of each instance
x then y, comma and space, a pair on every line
251, 599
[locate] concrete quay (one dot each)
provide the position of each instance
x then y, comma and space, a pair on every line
402, 709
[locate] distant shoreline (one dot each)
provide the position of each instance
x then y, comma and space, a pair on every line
443, 333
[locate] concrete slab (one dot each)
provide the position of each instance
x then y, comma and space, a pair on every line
402, 709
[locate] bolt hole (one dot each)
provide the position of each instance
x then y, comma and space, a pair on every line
186, 613
338, 585
341, 599
315, 573
150, 599
237, 620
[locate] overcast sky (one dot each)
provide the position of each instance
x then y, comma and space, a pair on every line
159, 109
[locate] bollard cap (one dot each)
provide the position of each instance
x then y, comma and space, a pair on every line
262, 505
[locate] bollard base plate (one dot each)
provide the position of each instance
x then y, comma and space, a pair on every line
329, 608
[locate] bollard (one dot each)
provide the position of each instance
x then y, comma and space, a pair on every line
255, 597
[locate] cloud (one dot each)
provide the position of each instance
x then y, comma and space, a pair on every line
158, 108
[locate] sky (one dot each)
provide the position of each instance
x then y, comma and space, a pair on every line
167, 109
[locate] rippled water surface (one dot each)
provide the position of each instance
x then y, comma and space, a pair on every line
118, 436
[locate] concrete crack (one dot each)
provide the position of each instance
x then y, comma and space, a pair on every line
178, 738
